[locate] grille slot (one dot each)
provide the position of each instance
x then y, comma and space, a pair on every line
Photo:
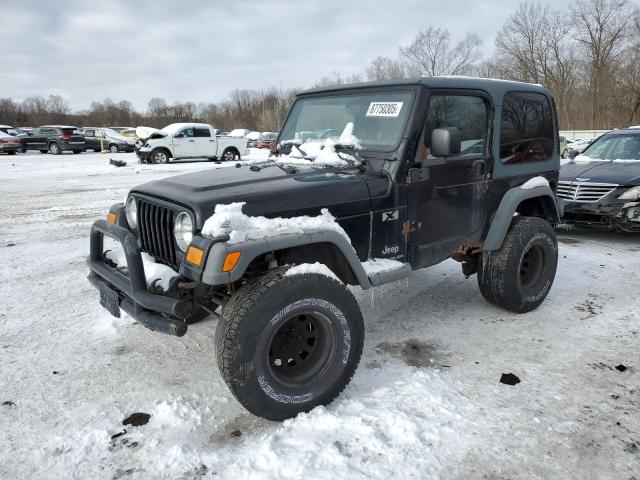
155, 227
588, 192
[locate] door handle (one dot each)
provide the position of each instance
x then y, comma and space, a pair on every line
479, 168
191, 141
212, 140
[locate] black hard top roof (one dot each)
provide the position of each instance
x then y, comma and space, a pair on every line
490, 85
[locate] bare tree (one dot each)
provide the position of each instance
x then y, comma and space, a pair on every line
601, 28
431, 53
384, 68
534, 46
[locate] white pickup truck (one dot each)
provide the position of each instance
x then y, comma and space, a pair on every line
187, 140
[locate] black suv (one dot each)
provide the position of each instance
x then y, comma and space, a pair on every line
601, 187
395, 176
54, 139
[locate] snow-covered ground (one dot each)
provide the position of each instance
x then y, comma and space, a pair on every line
426, 401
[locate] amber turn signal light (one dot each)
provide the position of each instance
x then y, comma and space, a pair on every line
231, 261
112, 218
195, 255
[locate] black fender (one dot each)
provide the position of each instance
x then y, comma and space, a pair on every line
510, 204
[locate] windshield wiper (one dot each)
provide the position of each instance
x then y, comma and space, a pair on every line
351, 150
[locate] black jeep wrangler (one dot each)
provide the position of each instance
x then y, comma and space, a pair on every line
440, 168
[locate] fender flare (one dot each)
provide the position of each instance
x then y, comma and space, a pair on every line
509, 206
213, 275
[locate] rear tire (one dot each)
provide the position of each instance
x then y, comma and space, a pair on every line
286, 344
113, 148
518, 277
230, 154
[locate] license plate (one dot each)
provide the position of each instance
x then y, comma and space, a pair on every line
109, 300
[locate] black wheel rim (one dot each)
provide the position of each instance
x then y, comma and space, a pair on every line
302, 348
532, 267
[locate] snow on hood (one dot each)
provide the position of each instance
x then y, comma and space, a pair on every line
229, 220
582, 158
322, 153
146, 132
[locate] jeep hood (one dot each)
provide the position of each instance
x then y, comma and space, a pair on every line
623, 173
270, 192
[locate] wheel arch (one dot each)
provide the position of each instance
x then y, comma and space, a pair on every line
324, 246
535, 202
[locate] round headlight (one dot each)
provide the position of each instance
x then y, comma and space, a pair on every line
183, 230
132, 212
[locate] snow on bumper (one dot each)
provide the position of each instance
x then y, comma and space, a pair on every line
130, 292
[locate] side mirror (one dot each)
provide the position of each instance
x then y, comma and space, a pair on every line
573, 154
445, 142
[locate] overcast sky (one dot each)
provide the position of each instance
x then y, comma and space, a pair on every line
201, 50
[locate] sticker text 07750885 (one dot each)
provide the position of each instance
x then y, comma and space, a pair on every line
384, 109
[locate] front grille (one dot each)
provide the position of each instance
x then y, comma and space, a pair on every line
155, 228
584, 191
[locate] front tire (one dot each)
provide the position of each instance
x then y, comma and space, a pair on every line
54, 149
286, 344
159, 156
113, 149
518, 277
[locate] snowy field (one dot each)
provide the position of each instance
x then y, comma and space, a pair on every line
426, 401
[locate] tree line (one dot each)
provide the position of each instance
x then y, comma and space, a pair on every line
587, 55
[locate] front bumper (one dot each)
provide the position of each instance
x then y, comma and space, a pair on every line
157, 312
615, 215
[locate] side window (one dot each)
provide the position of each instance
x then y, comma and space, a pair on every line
526, 128
89, 133
467, 113
203, 132
185, 133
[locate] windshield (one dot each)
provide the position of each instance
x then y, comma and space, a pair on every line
378, 119
613, 147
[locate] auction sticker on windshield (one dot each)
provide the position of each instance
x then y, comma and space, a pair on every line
384, 109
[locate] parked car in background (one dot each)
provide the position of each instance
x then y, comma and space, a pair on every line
564, 146
130, 133
99, 139
253, 138
267, 140
601, 187
55, 139
239, 132
576, 147
16, 132
188, 140
9, 143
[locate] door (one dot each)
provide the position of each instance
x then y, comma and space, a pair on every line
184, 143
90, 139
206, 144
446, 195
37, 140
